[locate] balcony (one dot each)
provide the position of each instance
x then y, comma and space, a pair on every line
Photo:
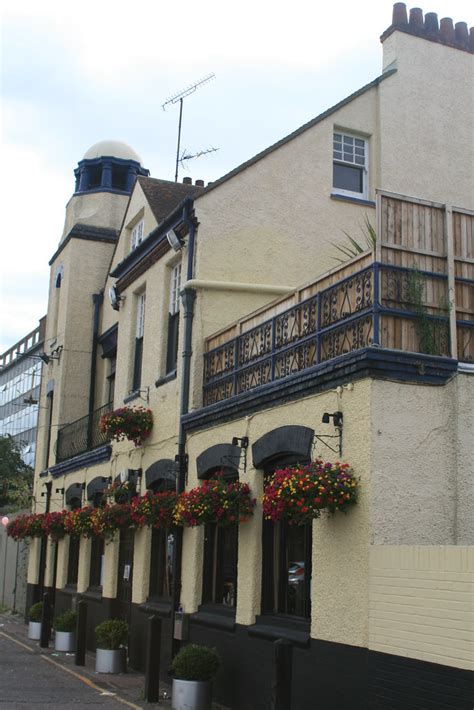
82, 435
414, 294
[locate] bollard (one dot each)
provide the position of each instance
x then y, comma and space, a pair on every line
152, 671
46, 621
81, 628
282, 670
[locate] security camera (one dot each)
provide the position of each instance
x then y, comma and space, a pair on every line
175, 242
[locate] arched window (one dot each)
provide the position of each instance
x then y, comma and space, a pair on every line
73, 501
95, 498
220, 543
159, 477
286, 558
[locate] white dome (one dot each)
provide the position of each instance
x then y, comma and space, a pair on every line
112, 149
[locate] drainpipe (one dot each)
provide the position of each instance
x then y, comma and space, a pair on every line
97, 300
188, 296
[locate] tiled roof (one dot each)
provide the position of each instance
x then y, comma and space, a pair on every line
163, 195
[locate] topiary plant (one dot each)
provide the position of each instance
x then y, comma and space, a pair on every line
112, 634
66, 621
195, 662
36, 612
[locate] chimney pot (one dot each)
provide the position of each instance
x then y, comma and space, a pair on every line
187, 181
399, 15
461, 32
471, 39
431, 23
199, 183
446, 29
416, 17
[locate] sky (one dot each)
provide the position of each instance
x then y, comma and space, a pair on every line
76, 74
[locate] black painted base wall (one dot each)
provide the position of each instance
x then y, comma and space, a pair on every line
326, 676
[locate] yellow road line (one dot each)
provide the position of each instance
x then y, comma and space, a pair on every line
73, 673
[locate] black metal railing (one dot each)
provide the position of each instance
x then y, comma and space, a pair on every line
333, 322
82, 435
341, 319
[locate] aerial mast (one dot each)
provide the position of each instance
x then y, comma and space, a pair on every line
179, 97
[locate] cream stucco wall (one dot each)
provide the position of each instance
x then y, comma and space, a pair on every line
421, 603
426, 139
423, 450
97, 209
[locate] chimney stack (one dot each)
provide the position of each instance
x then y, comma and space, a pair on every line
199, 183
187, 181
458, 37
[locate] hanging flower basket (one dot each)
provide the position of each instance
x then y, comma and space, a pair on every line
298, 494
26, 526
155, 510
106, 521
79, 522
132, 423
53, 524
215, 501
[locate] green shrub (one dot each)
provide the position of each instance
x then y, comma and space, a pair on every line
112, 634
36, 612
195, 662
66, 621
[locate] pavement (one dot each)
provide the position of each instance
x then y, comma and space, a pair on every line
42, 677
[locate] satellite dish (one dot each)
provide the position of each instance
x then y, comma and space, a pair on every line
114, 298
175, 242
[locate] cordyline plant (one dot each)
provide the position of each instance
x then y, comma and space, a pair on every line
215, 501
26, 526
132, 423
298, 494
53, 524
107, 520
79, 522
154, 510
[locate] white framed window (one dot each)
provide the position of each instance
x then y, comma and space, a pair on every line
137, 233
141, 299
350, 164
175, 285
138, 354
173, 319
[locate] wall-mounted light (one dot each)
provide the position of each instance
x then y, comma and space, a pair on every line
54, 355
337, 419
335, 416
174, 240
242, 441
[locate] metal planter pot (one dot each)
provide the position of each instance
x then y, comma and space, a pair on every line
191, 694
65, 641
110, 661
34, 630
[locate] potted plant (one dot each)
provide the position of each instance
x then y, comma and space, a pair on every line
215, 501
193, 669
65, 631
34, 626
112, 636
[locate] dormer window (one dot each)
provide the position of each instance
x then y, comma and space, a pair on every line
350, 165
137, 234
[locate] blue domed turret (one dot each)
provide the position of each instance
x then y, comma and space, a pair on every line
108, 166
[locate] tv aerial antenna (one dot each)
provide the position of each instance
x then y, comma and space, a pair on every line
180, 96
